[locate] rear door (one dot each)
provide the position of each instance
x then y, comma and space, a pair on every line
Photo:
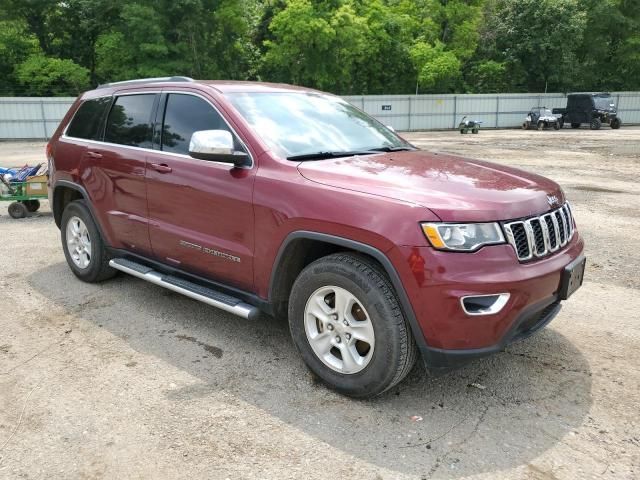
114, 170
200, 212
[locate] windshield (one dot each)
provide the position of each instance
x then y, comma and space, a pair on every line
295, 124
603, 103
546, 112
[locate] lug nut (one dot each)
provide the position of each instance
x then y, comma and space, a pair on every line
334, 316
329, 327
345, 322
348, 336
338, 340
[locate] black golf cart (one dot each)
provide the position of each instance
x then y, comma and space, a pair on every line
593, 109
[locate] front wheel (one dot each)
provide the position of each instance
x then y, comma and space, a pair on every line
540, 125
475, 130
525, 125
347, 324
83, 247
616, 123
556, 126
596, 123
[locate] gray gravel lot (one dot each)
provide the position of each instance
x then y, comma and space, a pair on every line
127, 380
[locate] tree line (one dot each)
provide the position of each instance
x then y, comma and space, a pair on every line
53, 47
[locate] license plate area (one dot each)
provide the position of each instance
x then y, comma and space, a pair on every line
572, 277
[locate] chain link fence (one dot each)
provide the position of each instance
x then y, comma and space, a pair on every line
37, 118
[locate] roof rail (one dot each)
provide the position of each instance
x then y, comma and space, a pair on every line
147, 80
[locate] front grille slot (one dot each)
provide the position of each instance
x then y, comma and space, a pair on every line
538, 236
542, 235
553, 240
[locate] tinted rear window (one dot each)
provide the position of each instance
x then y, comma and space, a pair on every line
88, 120
129, 121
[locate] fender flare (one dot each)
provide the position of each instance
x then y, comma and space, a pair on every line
80, 189
377, 254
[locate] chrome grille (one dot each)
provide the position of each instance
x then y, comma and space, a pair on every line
541, 235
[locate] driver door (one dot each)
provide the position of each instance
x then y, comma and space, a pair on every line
200, 211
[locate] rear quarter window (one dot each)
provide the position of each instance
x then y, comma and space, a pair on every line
89, 118
129, 121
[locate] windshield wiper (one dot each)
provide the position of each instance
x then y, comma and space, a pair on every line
393, 149
336, 154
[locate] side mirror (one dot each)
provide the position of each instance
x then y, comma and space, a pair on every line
217, 146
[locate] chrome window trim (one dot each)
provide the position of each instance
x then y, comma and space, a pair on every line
64, 135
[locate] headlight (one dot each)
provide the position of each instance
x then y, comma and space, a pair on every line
463, 237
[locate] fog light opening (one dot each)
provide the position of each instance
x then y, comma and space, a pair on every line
484, 304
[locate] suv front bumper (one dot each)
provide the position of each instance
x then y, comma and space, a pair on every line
435, 281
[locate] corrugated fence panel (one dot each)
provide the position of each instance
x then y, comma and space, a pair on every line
30, 118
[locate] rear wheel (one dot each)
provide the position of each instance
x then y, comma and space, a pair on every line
475, 130
463, 131
18, 210
596, 123
348, 326
83, 247
561, 122
556, 126
616, 123
575, 125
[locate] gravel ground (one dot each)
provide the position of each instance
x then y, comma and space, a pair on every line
127, 380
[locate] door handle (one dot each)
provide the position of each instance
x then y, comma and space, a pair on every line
91, 154
161, 167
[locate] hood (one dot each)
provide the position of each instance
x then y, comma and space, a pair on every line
454, 188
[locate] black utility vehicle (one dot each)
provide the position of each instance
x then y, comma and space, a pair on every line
591, 108
541, 118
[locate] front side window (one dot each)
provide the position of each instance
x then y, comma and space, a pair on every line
184, 115
294, 124
88, 120
129, 121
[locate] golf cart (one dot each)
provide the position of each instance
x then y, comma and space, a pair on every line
593, 109
541, 118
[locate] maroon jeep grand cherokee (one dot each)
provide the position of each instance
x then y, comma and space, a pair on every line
259, 197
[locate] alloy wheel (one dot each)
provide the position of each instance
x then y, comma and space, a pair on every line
339, 329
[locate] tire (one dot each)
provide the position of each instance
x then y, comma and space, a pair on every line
561, 122
575, 125
94, 254
556, 126
616, 123
475, 130
32, 205
596, 123
462, 131
540, 125
382, 361
525, 125
18, 210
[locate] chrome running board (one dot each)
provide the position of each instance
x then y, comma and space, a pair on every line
189, 289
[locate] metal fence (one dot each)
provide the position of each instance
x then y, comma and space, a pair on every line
37, 118
433, 112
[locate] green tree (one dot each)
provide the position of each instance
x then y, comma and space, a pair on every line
532, 37
46, 76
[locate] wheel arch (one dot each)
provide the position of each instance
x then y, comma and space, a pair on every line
65, 192
300, 248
